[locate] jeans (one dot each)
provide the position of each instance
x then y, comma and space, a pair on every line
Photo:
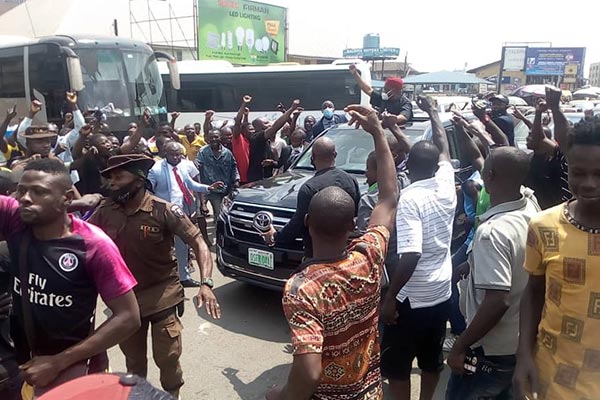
495, 383
457, 321
215, 200
182, 254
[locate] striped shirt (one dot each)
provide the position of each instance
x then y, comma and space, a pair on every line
424, 225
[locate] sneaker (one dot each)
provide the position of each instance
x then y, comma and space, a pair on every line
449, 342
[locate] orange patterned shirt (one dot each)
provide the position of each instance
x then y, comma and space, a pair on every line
332, 309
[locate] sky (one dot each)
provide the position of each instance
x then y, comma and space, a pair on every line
440, 35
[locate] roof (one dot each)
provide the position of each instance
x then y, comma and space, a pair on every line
476, 69
445, 77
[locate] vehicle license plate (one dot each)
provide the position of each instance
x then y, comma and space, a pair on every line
260, 258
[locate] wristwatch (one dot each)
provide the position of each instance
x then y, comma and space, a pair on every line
208, 282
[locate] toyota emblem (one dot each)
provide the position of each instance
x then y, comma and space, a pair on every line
262, 221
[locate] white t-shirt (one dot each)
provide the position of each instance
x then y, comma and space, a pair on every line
424, 225
497, 263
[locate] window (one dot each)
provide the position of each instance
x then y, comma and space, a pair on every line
12, 80
48, 76
223, 92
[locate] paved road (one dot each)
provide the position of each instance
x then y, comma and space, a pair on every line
240, 356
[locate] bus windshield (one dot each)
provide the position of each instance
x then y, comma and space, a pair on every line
121, 83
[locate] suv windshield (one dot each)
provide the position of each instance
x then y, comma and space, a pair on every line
352, 147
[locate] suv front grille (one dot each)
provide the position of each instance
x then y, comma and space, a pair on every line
240, 218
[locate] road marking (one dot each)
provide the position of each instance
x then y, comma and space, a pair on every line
203, 327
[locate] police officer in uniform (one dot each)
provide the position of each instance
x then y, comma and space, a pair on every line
143, 227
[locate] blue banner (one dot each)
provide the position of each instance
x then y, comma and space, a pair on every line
552, 60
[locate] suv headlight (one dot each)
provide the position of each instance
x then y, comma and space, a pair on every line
226, 205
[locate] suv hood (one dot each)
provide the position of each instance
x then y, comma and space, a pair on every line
281, 190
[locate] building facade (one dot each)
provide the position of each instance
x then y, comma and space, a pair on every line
595, 74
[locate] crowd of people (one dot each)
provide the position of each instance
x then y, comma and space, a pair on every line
85, 212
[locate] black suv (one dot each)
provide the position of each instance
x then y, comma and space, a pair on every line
241, 251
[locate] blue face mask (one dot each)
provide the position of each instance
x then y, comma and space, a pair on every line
328, 113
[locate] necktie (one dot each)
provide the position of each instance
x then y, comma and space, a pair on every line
187, 197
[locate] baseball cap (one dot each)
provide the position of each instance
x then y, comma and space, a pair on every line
106, 387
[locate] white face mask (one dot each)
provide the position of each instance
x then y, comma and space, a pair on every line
385, 96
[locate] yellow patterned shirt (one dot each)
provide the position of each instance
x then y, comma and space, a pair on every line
332, 310
568, 351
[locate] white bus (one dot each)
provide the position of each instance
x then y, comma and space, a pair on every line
219, 86
115, 74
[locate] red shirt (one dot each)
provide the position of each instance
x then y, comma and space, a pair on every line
241, 152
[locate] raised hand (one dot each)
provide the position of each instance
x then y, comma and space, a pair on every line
146, 117
553, 95
353, 69
247, 99
11, 113
295, 104
36, 107
541, 106
388, 120
426, 103
364, 117
209, 115
85, 130
71, 97
175, 115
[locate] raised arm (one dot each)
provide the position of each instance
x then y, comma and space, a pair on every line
561, 124
271, 131
519, 115
84, 133
10, 114
364, 86
208, 119
468, 145
390, 122
498, 136
384, 213
294, 121
136, 133
438, 133
174, 116
241, 115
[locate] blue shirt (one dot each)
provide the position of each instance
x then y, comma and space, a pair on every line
214, 169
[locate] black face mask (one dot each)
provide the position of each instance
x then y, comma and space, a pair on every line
124, 194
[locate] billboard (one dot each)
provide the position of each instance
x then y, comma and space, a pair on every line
553, 60
369, 53
514, 58
241, 32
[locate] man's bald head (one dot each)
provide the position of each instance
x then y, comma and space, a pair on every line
331, 213
323, 153
505, 169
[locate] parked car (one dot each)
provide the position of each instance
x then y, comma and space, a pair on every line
241, 251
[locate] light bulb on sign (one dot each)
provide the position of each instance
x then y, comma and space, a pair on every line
239, 35
229, 40
265, 43
258, 45
223, 40
250, 39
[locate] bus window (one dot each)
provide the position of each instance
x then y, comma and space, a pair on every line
48, 75
104, 80
144, 80
12, 80
222, 92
